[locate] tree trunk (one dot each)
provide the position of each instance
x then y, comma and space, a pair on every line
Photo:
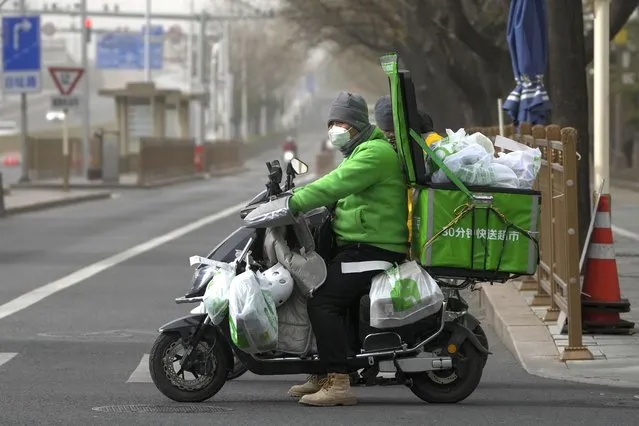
569, 90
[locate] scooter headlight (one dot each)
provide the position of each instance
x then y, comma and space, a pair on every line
202, 276
288, 156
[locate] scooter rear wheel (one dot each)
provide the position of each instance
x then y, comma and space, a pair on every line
208, 367
451, 386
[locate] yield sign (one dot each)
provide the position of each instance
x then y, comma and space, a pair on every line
66, 78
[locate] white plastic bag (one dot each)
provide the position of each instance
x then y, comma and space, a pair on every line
456, 141
483, 141
403, 295
503, 176
252, 315
216, 296
525, 164
471, 165
453, 142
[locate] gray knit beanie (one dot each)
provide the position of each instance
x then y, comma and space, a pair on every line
384, 114
349, 108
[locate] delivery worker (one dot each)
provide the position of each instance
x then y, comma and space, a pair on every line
384, 119
370, 225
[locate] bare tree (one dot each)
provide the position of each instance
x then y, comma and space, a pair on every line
273, 65
424, 33
455, 49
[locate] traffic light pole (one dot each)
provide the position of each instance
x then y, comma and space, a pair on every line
24, 126
201, 66
86, 95
147, 42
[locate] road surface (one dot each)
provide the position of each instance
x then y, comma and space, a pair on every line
78, 355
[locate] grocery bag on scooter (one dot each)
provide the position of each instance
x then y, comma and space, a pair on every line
216, 296
252, 315
403, 295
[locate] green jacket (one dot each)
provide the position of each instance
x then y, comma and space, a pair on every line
370, 191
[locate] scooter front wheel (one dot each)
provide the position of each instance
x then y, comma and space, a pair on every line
201, 377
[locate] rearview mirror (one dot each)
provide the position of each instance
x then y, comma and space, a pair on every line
299, 166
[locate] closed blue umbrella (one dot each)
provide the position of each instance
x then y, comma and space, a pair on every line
528, 45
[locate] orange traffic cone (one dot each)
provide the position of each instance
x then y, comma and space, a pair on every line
197, 160
601, 295
11, 159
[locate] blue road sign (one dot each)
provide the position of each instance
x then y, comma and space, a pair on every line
125, 50
21, 54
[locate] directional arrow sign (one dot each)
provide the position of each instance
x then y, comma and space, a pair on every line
66, 78
21, 54
21, 27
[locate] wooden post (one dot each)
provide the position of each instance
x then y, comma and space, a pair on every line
538, 132
553, 133
575, 349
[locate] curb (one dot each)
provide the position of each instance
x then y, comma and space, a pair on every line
528, 338
57, 203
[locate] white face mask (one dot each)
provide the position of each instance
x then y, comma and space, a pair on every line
338, 136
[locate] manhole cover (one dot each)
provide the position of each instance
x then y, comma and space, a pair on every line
179, 409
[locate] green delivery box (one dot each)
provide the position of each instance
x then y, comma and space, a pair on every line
491, 236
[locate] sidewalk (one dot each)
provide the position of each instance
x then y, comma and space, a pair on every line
29, 200
537, 344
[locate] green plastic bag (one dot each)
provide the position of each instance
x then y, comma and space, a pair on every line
404, 291
252, 315
216, 296
403, 295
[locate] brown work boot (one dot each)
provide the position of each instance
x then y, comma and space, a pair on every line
336, 390
312, 385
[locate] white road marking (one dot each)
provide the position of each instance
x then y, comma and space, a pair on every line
6, 357
34, 296
625, 233
141, 373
